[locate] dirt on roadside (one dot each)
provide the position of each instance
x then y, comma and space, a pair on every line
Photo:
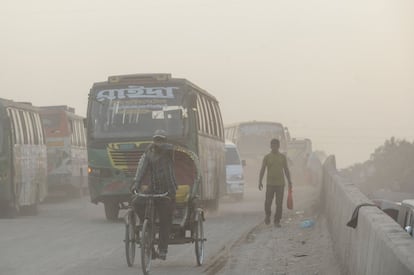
302, 245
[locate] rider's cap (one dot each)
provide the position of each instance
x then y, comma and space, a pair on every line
160, 134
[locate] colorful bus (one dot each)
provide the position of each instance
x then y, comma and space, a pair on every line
123, 114
67, 157
23, 160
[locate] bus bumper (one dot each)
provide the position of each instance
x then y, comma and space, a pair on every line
101, 189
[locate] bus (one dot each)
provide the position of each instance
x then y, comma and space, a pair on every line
299, 154
252, 139
23, 160
67, 158
122, 115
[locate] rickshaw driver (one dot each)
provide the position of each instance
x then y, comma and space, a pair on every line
158, 160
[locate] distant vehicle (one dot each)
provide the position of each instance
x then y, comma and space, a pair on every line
252, 138
298, 153
390, 208
23, 160
234, 172
123, 114
67, 158
406, 216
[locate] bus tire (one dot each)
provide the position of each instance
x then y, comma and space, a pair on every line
111, 210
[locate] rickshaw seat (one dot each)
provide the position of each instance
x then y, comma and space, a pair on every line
182, 194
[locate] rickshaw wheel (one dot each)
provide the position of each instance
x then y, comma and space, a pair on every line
146, 247
199, 239
130, 238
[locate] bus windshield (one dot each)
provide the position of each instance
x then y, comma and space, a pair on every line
138, 117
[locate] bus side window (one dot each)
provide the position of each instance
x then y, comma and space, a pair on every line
40, 127
35, 128
220, 127
213, 119
24, 128
200, 115
29, 127
12, 125
18, 127
78, 133
206, 116
72, 131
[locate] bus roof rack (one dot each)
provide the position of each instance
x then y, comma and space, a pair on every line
122, 78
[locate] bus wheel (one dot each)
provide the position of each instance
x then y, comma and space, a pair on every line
111, 210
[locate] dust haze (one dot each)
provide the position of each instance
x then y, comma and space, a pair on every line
337, 72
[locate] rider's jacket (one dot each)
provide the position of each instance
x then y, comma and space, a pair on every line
158, 160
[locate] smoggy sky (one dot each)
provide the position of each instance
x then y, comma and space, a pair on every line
338, 72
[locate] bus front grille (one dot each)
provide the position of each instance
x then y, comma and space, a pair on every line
126, 161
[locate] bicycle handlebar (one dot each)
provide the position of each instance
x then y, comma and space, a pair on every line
162, 195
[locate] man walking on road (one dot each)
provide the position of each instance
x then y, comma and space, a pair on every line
276, 165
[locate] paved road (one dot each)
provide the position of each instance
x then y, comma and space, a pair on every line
73, 237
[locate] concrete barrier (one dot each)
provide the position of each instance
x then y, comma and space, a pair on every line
378, 245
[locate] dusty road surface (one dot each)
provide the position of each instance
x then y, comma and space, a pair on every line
294, 248
73, 237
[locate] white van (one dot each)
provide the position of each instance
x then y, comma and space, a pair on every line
234, 172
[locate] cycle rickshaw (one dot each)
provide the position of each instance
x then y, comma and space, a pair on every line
187, 226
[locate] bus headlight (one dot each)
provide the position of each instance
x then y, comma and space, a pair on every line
99, 172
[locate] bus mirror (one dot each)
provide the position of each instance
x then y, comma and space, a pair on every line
243, 162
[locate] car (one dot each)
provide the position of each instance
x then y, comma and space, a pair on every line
406, 216
234, 172
390, 208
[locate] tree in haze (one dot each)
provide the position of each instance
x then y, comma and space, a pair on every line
391, 166
394, 166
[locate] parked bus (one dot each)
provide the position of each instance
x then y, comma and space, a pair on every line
123, 114
67, 160
22, 158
